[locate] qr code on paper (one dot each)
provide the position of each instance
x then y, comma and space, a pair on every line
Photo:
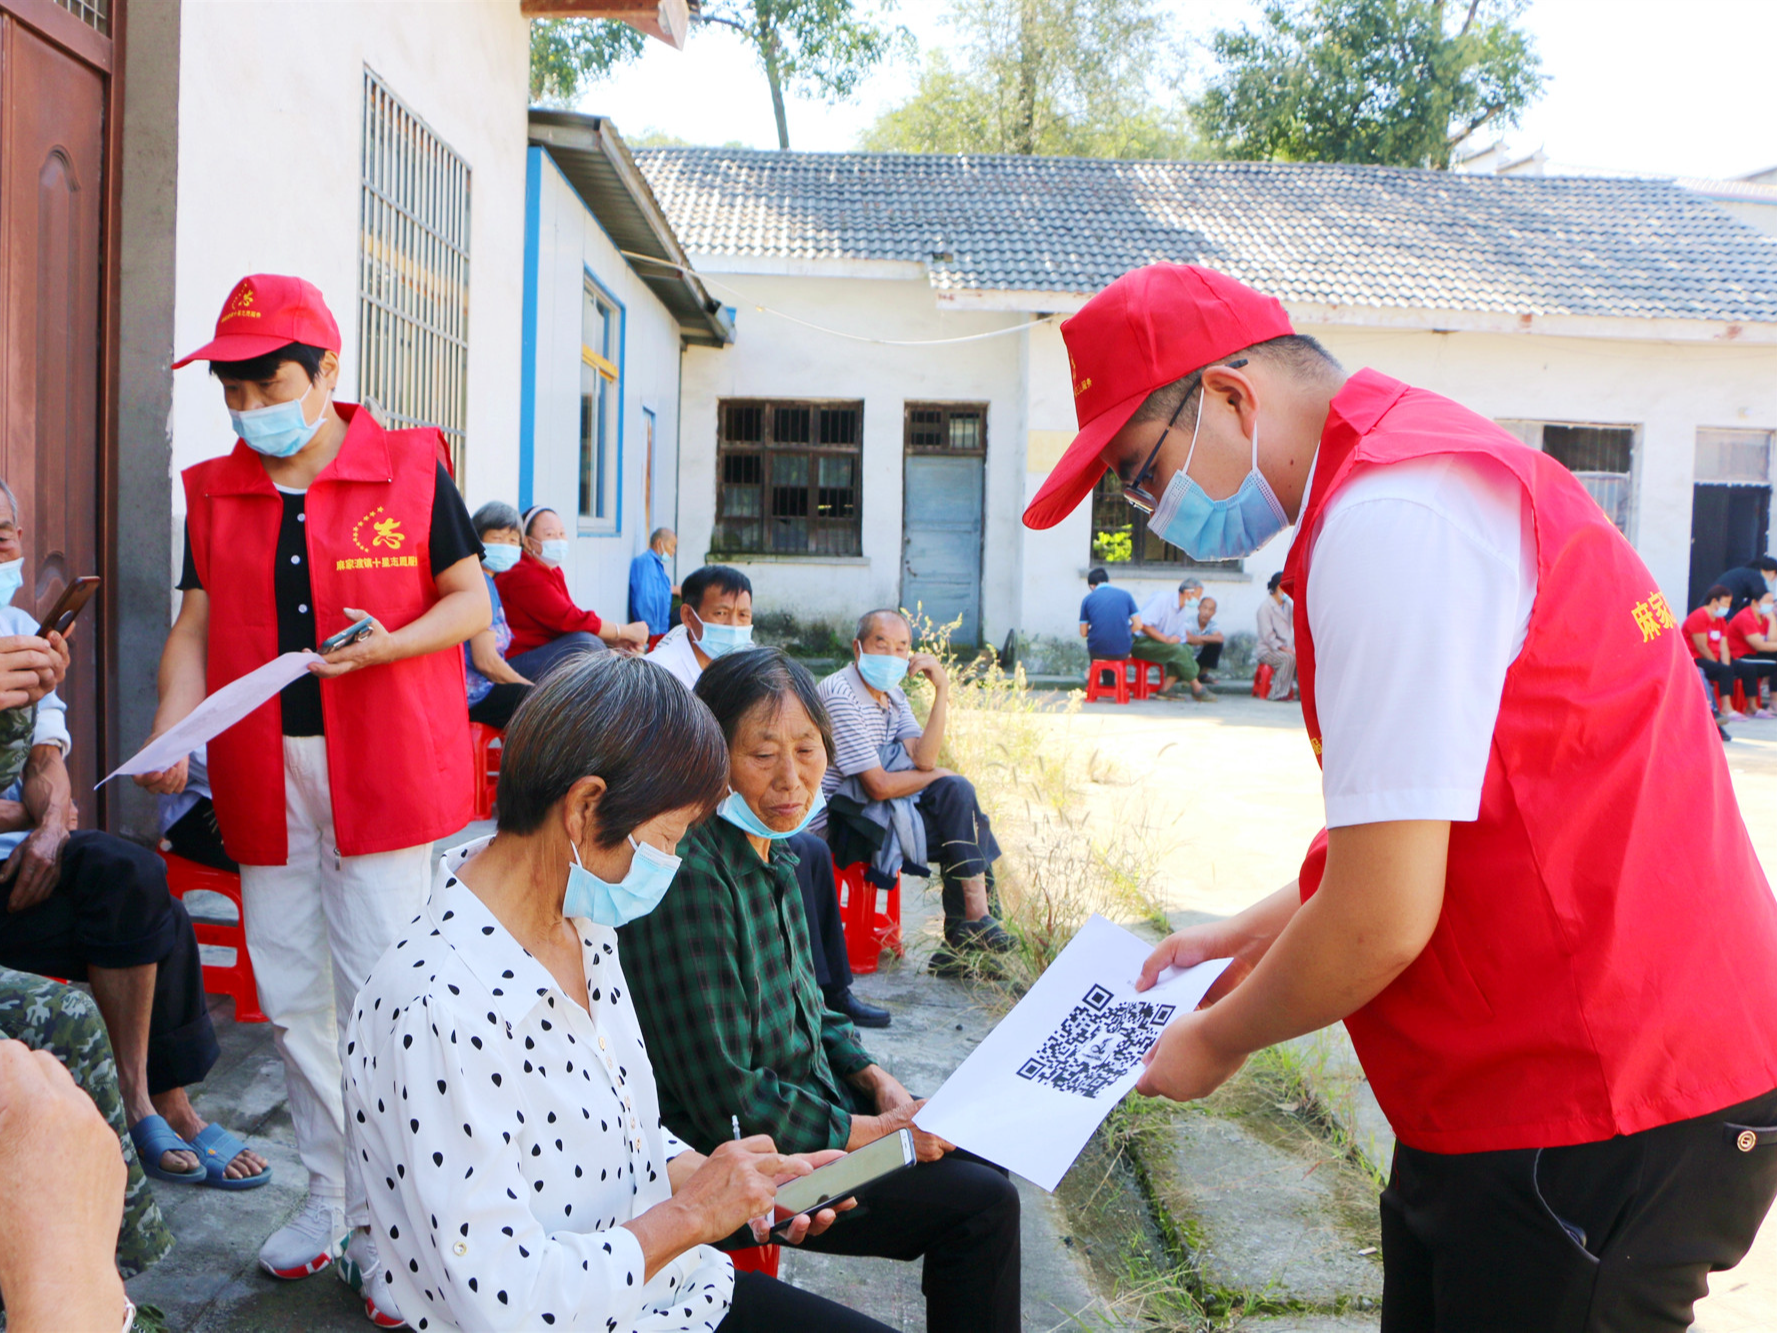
1096, 1044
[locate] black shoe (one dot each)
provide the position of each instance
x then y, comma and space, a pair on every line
842, 1001
965, 964
983, 935
1724, 732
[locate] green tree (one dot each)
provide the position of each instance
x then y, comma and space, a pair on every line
1400, 82
823, 48
1083, 78
567, 54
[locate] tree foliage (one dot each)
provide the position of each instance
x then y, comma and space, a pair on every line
1082, 78
1400, 82
567, 54
821, 48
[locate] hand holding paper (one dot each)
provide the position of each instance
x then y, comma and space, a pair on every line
1040, 1083
215, 715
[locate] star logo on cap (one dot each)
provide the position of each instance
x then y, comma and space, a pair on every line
240, 305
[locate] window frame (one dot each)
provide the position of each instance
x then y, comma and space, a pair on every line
838, 536
602, 371
949, 412
1531, 432
1106, 491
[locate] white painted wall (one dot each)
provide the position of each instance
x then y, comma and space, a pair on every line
271, 103
775, 358
571, 244
1034, 581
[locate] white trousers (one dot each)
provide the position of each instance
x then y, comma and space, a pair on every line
315, 927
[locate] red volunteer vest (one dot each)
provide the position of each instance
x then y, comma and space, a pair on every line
1606, 959
398, 735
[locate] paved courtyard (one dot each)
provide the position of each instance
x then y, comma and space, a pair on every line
1227, 796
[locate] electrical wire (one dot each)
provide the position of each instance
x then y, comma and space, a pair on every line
708, 281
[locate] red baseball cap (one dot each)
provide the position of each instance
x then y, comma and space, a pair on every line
264, 312
1147, 329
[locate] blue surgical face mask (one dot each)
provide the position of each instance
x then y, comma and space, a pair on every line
276, 431
643, 886
738, 813
882, 671
1718, 611
499, 557
720, 640
12, 578
555, 550
1207, 529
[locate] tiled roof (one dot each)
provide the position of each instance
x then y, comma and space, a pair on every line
1314, 233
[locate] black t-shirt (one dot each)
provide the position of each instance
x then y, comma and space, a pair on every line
452, 539
1746, 583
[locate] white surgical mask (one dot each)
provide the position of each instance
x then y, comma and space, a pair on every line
555, 550
12, 578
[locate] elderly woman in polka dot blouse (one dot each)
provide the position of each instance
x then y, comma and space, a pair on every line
499, 1094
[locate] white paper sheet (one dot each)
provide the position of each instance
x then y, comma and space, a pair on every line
216, 714
1031, 1094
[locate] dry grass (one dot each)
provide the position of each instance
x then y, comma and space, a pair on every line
1031, 777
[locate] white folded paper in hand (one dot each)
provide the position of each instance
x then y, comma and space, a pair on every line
1031, 1094
216, 714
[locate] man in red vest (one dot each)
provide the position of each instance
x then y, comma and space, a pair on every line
1572, 1032
331, 795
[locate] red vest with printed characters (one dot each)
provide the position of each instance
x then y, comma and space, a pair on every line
1606, 958
397, 735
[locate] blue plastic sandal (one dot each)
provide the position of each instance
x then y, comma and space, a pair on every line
153, 1137
216, 1148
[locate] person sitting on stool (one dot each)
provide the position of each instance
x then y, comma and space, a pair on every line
1107, 619
1205, 636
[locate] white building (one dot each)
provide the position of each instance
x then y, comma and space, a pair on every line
1628, 326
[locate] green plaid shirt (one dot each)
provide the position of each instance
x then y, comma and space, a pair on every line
723, 981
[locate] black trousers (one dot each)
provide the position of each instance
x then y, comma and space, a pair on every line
197, 836
765, 1305
1593, 1238
496, 707
820, 904
535, 663
111, 908
959, 840
961, 1213
1208, 655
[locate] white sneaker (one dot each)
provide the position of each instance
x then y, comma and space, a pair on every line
361, 1270
305, 1244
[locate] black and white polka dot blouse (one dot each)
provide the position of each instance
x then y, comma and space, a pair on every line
504, 1135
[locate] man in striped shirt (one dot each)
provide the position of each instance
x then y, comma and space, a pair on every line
869, 711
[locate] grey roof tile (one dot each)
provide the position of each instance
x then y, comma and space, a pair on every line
1309, 232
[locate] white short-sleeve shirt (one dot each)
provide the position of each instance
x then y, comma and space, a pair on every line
1419, 596
505, 1135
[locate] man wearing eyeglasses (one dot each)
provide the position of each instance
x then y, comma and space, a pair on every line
1573, 1035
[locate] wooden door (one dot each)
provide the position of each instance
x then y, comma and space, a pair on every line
52, 206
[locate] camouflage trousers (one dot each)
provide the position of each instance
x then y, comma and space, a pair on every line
48, 1016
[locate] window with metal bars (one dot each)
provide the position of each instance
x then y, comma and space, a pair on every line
96, 14
1120, 535
1602, 457
413, 273
946, 428
788, 478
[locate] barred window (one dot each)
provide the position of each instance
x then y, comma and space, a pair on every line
1602, 457
788, 478
413, 273
1120, 534
96, 14
946, 428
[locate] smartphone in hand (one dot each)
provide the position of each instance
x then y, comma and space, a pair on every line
350, 634
69, 605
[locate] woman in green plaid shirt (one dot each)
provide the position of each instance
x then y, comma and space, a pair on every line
725, 989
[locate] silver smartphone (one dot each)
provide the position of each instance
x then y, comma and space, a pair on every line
847, 1175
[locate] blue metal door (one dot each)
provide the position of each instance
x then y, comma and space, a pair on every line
941, 541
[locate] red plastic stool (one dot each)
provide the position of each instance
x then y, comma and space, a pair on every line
1262, 681
758, 1259
487, 743
1095, 686
867, 931
233, 979
1145, 678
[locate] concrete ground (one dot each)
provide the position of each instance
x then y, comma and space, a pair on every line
1224, 797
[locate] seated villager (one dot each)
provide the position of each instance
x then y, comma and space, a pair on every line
498, 1091
892, 806
1205, 638
87, 905
64, 1022
736, 1027
494, 688
1160, 637
1277, 639
546, 625
1107, 618
715, 619
1752, 647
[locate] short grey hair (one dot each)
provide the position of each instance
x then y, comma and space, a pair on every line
1189, 584
658, 533
867, 622
496, 514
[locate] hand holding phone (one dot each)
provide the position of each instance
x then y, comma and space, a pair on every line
352, 633
841, 1179
69, 605
362, 643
